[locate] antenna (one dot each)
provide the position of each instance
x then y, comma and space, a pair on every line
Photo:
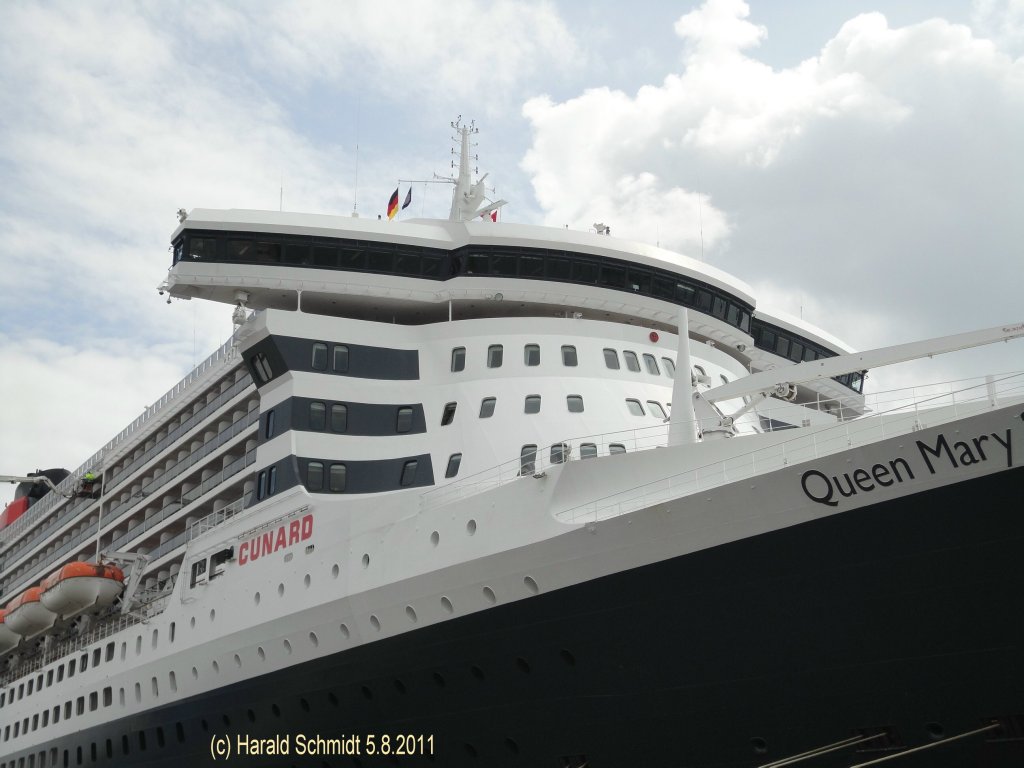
355, 189
700, 221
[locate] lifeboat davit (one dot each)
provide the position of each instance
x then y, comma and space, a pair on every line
8, 637
27, 616
79, 587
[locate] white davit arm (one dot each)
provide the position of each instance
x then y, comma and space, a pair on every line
765, 382
28, 479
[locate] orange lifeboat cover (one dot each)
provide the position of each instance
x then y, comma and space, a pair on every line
3, 612
30, 595
76, 570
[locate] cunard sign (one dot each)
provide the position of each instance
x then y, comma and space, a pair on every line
938, 456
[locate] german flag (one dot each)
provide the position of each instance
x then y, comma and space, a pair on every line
393, 204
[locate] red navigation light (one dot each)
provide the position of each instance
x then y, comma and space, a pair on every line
654, 336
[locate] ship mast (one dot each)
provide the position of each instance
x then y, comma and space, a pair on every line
468, 196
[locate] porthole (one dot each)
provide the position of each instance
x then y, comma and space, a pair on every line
335, 571
367, 693
476, 672
366, 561
276, 710
470, 750
238, 660
447, 604
471, 527
344, 631
489, 595
192, 622
195, 673
375, 622
314, 639
400, 686
256, 599
306, 581
935, 731
435, 537
531, 584
439, 680
411, 613
512, 746
332, 699
261, 654
288, 647
250, 715
304, 705
760, 745
280, 590
216, 667
213, 614
567, 657
523, 665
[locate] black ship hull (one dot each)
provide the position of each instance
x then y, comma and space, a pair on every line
900, 619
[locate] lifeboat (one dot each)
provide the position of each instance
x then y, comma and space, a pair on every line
27, 616
79, 587
8, 637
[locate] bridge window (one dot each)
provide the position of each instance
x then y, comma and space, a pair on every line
409, 472
337, 478
487, 407
532, 404
203, 248
296, 254
669, 366
458, 359
261, 365
574, 403
495, 353
652, 365
634, 407
453, 465
569, 356
632, 363
531, 354
611, 359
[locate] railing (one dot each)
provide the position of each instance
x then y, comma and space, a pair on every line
67, 486
888, 412
911, 411
166, 476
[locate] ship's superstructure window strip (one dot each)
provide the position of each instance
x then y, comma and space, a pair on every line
272, 356
525, 263
798, 349
362, 419
343, 475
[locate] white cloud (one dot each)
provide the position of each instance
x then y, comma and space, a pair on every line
879, 180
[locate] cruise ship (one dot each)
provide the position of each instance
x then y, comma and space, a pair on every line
467, 493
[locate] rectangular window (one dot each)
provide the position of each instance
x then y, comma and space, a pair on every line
315, 476
325, 257
319, 361
615, 448
531, 266
317, 416
703, 300
202, 248
575, 403
409, 472
339, 417
796, 351
611, 359
559, 453
613, 277
272, 481
407, 264
531, 354
94, 701
495, 353
198, 572
380, 261
268, 252
584, 272
404, 420
631, 361
449, 414
669, 366
588, 450
338, 477
634, 407
559, 269
352, 258
240, 250
487, 407
458, 359
652, 365
782, 346
732, 316
532, 404
454, 461
340, 362
569, 356
656, 410
296, 254
270, 425
261, 486
527, 459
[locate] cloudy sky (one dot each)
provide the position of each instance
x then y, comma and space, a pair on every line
857, 162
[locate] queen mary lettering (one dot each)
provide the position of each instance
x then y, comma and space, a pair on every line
271, 541
823, 489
